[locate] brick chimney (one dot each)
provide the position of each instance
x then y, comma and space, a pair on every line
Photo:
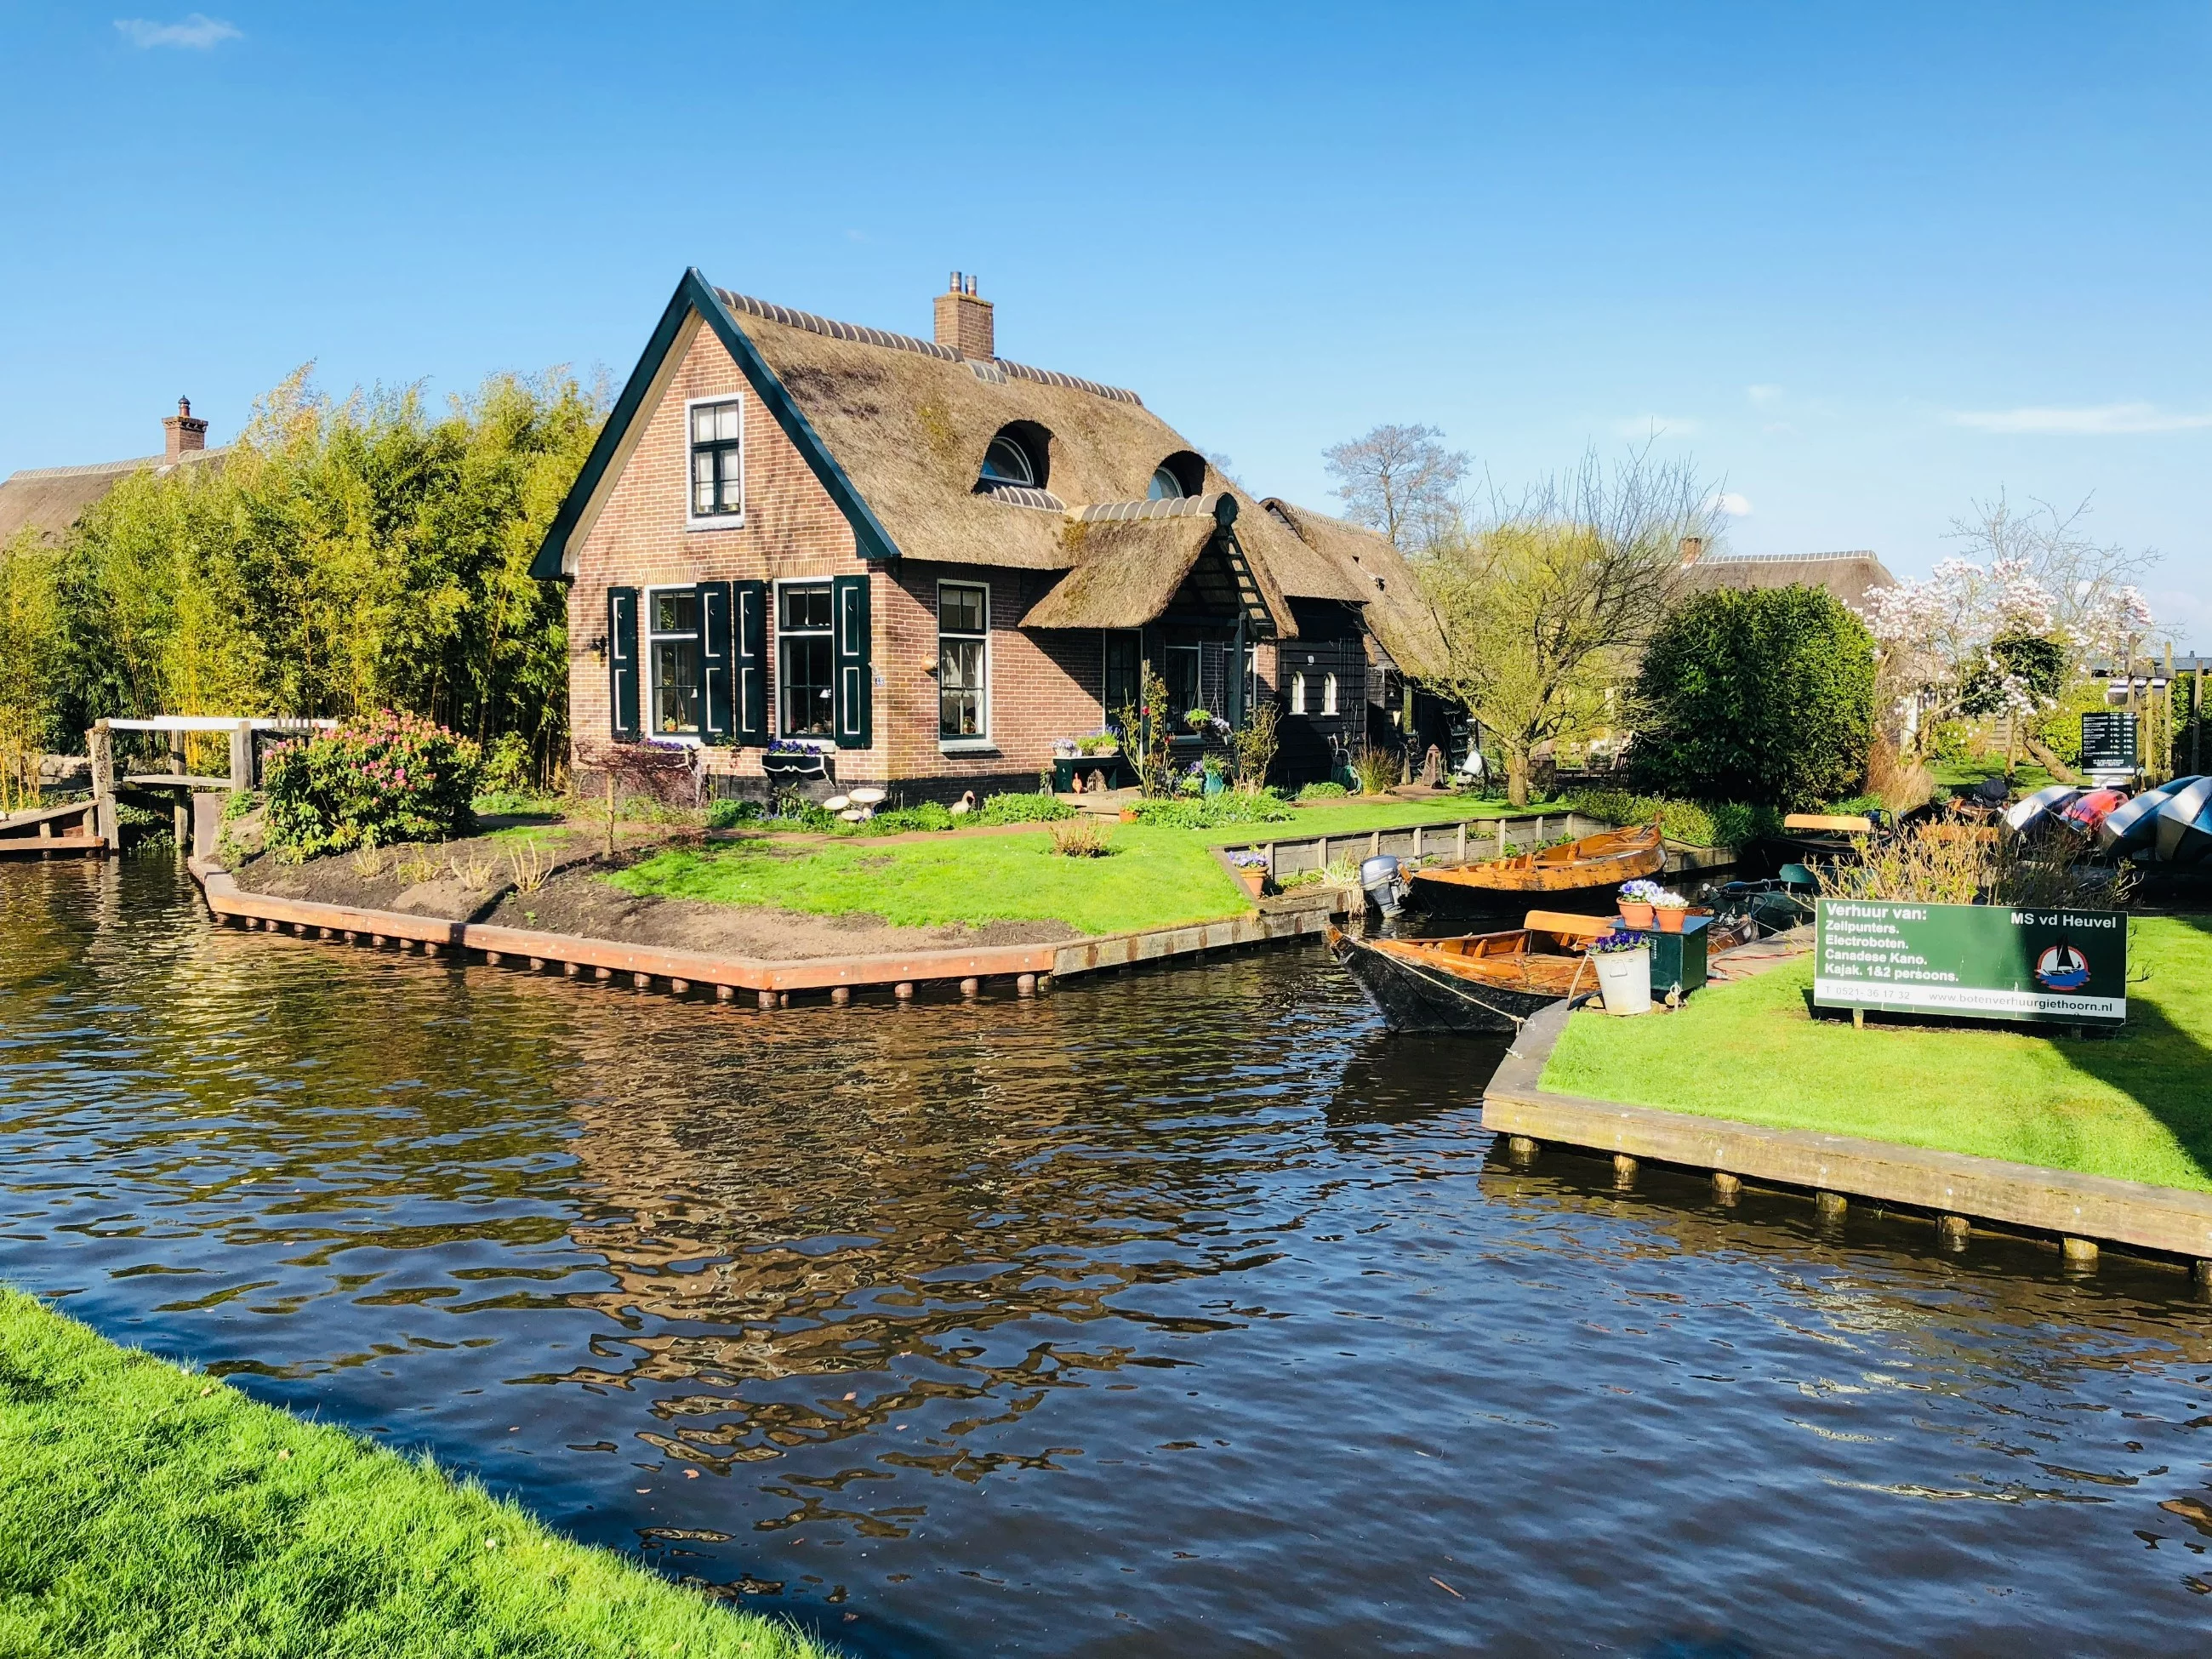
963, 321
181, 431
1692, 549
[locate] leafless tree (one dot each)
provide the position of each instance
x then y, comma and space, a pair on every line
2082, 575
1401, 481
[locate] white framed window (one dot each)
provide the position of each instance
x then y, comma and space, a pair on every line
674, 663
806, 661
1329, 693
963, 662
717, 430
1298, 692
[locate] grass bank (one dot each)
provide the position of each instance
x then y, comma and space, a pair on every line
1152, 878
2136, 1106
145, 1511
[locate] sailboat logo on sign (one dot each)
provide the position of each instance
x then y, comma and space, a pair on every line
2061, 968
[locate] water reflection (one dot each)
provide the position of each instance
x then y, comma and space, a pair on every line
1185, 1309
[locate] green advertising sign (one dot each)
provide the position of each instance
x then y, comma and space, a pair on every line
1977, 961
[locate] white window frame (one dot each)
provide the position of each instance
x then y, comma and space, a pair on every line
1328, 692
775, 656
693, 519
985, 742
1297, 690
650, 675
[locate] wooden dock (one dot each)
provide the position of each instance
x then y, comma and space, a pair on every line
44, 832
1953, 1189
1025, 968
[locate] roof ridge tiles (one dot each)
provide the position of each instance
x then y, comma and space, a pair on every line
879, 336
1208, 506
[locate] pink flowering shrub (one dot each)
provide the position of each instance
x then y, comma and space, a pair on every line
372, 782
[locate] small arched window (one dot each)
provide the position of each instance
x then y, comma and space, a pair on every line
1328, 694
1180, 474
1298, 692
1007, 462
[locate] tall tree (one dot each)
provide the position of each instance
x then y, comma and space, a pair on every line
1538, 613
1401, 481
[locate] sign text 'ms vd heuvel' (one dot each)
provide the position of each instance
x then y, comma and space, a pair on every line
1985, 961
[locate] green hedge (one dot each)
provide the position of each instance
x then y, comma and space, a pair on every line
1697, 823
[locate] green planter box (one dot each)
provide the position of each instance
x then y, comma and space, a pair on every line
1679, 959
1120, 774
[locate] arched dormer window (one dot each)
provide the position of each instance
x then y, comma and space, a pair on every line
1182, 474
1018, 458
1007, 462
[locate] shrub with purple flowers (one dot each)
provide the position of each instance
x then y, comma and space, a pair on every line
373, 782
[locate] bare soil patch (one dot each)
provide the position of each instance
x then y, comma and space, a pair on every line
475, 880
578, 901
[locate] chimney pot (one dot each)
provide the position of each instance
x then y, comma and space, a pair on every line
963, 321
1693, 548
181, 431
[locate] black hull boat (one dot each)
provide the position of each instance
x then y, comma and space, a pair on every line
1485, 983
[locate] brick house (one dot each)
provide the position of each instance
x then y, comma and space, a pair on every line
807, 548
42, 504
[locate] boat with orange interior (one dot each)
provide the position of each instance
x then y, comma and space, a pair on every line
1478, 982
1595, 862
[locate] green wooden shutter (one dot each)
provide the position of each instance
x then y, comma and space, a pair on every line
749, 674
856, 727
714, 713
622, 661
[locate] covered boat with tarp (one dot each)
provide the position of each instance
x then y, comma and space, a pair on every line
2043, 808
1477, 982
1595, 862
2089, 810
2131, 830
2182, 832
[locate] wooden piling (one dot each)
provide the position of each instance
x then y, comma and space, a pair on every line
1727, 1188
1951, 1231
1623, 1171
2079, 1255
1831, 1207
903, 990
841, 995
971, 987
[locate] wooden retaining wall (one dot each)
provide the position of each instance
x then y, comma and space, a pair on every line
1951, 1187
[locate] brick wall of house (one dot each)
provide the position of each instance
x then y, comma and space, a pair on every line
1042, 686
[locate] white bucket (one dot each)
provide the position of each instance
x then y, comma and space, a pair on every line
1625, 977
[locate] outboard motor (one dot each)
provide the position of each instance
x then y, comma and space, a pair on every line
1384, 883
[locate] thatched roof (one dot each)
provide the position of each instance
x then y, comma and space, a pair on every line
1362, 568
1133, 559
47, 500
1849, 576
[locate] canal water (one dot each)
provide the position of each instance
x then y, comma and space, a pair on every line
1185, 1311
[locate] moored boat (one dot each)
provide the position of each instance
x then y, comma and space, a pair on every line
1599, 861
1817, 838
1479, 981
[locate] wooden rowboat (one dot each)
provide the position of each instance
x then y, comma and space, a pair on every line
1604, 861
1479, 982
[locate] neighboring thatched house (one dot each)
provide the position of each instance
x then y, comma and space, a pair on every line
47, 500
1849, 576
906, 562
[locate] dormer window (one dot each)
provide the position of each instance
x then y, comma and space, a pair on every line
1182, 474
718, 462
1007, 462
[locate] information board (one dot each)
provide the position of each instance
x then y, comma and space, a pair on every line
1976, 961
2109, 740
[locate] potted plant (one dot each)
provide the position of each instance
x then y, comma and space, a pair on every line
1251, 870
786, 757
1623, 961
1669, 908
1199, 720
1636, 903
1099, 743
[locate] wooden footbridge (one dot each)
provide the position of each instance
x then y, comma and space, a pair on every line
92, 827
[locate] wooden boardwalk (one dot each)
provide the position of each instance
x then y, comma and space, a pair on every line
1951, 1187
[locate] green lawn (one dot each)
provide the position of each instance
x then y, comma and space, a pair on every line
2137, 1105
1152, 878
2027, 777
147, 1511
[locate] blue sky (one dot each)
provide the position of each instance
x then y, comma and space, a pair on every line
1866, 264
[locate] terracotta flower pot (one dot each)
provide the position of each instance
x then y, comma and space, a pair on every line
1128, 815
1670, 920
1638, 916
1255, 881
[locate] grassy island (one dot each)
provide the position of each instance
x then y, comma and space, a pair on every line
146, 1510
2136, 1105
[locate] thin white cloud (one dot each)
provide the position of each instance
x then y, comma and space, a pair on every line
1656, 426
197, 33
1763, 395
1731, 504
2097, 420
